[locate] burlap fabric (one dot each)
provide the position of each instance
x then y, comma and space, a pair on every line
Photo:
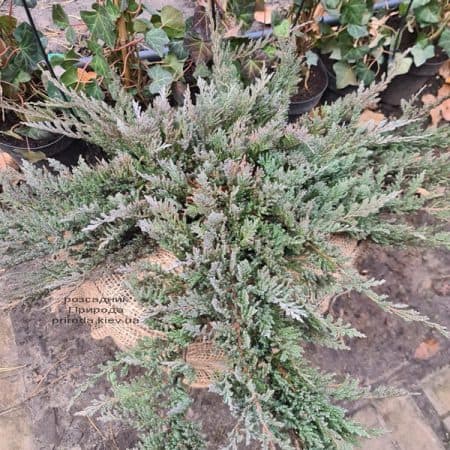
125, 325
112, 311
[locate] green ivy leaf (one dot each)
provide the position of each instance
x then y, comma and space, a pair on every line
353, 12
70, 59
177, 48
357, 31
364, 74
417, 3
157, 39
100, 23
160, 79
112, 9
345, 76
71, 35
70, 77
22, 77
428, 14
141, 25
176, 65
30, 53
59, 17
94, 90
401, 64
311, 58
282, 30
444, 41
172, 21
100, 66
422, 53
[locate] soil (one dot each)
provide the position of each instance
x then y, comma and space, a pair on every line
317, 82
418, 278
58, 358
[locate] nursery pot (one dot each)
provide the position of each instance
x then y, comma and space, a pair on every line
305, 100
51, 146
332, 91
405, 86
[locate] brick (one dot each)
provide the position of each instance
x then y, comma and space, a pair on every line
15, 428
369, 417
437, 388
409, 429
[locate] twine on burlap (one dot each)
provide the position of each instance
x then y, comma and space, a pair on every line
127, 326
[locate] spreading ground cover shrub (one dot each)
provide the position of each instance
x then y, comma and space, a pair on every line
249, 205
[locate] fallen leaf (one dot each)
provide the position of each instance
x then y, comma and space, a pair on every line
84, 76
371, 116
6, 160
444, 71
436, 116
444, 91
319, 11
67, 234
423, 192
32, 156
445, 110
264, 16
428, 99
427, 349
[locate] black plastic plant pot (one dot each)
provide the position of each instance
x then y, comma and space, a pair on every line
304, 101
428, 69
405, 86
49, 147
333, 92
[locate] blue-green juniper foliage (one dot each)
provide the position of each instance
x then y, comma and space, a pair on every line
248, 203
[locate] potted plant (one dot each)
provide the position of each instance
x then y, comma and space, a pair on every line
144, 54
20, 82
355, 44
313, 76
424, 38
248, 205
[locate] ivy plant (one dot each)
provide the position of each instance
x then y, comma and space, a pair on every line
116, 32
427, 21
19, 59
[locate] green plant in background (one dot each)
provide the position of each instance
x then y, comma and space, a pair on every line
20, 56
20, 72
243, 10
249, 206
427, 22
116, 32
359, 45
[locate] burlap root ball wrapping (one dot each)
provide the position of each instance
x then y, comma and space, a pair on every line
203, 357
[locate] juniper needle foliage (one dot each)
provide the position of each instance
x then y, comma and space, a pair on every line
248, 203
